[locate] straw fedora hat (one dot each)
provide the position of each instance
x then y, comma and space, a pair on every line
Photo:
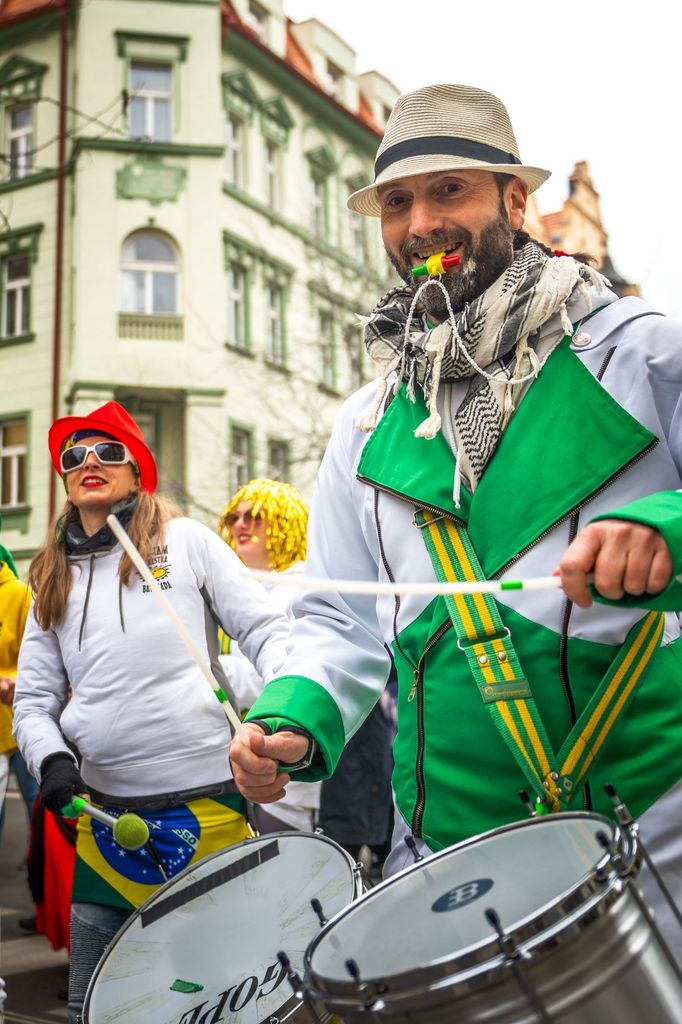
445, 128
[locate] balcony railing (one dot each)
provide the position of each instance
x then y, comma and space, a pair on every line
143, 327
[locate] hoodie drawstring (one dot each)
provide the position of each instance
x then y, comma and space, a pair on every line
87, 600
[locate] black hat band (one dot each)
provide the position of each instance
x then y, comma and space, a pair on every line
442, 145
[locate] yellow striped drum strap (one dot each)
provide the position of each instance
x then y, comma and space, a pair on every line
503, 687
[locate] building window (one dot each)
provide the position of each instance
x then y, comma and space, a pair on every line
149, 108
16, 298
12, 463
355, 344
278, 460
234, 151
241, 449
237, 334
150, 276
332, 79
327, 351
257, 20
275, 324
318, 206
358, 237
19, 141
272, 173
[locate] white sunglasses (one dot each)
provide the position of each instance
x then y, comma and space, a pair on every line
108, 453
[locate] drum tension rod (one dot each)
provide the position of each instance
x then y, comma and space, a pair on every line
317, 907
363, 988
412, 847
525, 800
514, 957
293, 978
300, 990
628, 823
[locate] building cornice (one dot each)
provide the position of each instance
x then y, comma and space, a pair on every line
158, 148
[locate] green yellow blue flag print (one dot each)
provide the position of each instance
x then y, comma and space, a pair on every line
106, 873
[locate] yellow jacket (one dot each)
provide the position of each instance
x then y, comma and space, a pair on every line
15, 600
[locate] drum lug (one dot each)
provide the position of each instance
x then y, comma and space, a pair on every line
514, 957
624, 869
365, 993
629, 825
293, 978
300, 990
362, 882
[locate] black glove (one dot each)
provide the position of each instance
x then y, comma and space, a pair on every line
60, 781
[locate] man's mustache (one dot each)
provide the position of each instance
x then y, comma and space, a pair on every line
446, 239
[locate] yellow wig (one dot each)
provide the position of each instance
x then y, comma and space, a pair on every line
286, 517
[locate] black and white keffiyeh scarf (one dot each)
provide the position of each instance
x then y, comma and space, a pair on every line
498, 342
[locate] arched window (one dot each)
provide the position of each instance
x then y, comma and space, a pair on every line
150, 275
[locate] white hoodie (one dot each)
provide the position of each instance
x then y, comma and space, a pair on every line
142, 714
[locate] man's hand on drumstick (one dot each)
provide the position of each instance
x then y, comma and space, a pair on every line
255, 767
623, 557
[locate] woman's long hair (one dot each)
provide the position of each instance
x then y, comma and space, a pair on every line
49, 574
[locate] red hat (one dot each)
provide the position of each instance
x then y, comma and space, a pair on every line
112, 419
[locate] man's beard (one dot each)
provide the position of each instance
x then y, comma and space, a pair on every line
483, 262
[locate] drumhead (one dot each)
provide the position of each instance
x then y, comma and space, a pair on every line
435, 910
210, 936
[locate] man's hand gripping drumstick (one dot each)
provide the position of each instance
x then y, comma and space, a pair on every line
259, 764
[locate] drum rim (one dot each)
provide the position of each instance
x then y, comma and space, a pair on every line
170, 884
559, 919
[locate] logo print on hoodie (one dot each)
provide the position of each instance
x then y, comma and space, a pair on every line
160, 569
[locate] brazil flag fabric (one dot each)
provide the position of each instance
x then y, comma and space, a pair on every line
106, 873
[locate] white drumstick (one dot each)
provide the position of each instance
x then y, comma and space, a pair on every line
429, 589
145, 572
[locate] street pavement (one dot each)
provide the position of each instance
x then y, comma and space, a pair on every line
33, 972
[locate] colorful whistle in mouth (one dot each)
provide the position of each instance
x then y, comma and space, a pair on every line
437, 263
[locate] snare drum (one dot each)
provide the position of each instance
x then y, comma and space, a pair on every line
575, 944
203, 949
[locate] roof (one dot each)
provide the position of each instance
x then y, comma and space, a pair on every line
19, 10
296, 56
298, 62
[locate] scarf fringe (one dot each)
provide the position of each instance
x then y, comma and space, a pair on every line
429, 427
368, 421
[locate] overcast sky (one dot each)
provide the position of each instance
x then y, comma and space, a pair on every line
594, 80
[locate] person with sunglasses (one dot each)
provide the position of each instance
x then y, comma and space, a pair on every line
265, 523
103, 672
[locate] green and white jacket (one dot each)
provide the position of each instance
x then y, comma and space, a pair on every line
599, 433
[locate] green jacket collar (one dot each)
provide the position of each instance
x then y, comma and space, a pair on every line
566, 441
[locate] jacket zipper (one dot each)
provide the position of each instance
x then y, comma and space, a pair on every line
389, 573
416, 691
568, 608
